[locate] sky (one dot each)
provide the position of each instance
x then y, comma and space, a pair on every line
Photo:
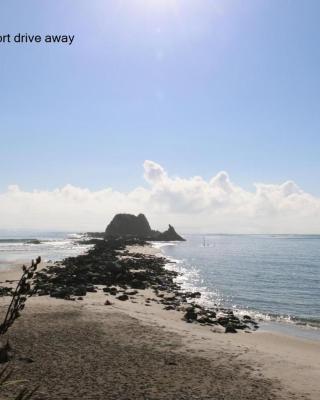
223, 97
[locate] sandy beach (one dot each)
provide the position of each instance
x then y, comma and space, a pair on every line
160, 200
135, 349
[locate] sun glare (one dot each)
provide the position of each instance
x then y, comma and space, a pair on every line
160, 4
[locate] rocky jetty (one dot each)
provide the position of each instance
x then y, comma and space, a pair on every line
132, 226
110, 267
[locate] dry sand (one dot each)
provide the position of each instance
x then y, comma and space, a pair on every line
137, 350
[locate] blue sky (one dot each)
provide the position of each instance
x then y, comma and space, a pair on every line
198, 86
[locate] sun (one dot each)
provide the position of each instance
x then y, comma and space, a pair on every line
160, 4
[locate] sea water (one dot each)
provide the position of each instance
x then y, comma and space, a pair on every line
17, 246
275, 278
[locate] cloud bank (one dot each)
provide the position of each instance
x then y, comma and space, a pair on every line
191, 204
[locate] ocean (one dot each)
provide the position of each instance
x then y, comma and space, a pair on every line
17, 246
275, 278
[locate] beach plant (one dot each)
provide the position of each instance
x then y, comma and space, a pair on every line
23, 291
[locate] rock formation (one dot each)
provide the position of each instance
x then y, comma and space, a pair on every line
169, 235
128, 225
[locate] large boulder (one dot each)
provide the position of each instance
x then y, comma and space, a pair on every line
124, 225
128, 225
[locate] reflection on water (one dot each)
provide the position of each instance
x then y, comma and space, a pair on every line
274, 277
20, 246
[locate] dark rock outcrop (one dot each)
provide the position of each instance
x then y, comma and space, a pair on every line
170, 235
124, 225
128, 225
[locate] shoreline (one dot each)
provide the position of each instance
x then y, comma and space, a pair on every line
292, 330
281, 326
269, 365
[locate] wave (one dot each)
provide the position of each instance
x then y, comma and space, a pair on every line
23, 240
305, 322
51, 246
76, 235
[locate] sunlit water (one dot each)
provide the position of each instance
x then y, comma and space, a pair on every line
273, 277
54, 246
276, 278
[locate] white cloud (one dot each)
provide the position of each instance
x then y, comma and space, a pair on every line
192, 205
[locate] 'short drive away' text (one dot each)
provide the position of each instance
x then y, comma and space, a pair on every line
26, 38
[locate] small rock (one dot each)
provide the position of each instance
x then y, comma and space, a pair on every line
230, 329
190, 315
108, 303
113, 291
91, 289
131, 292
123, 297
